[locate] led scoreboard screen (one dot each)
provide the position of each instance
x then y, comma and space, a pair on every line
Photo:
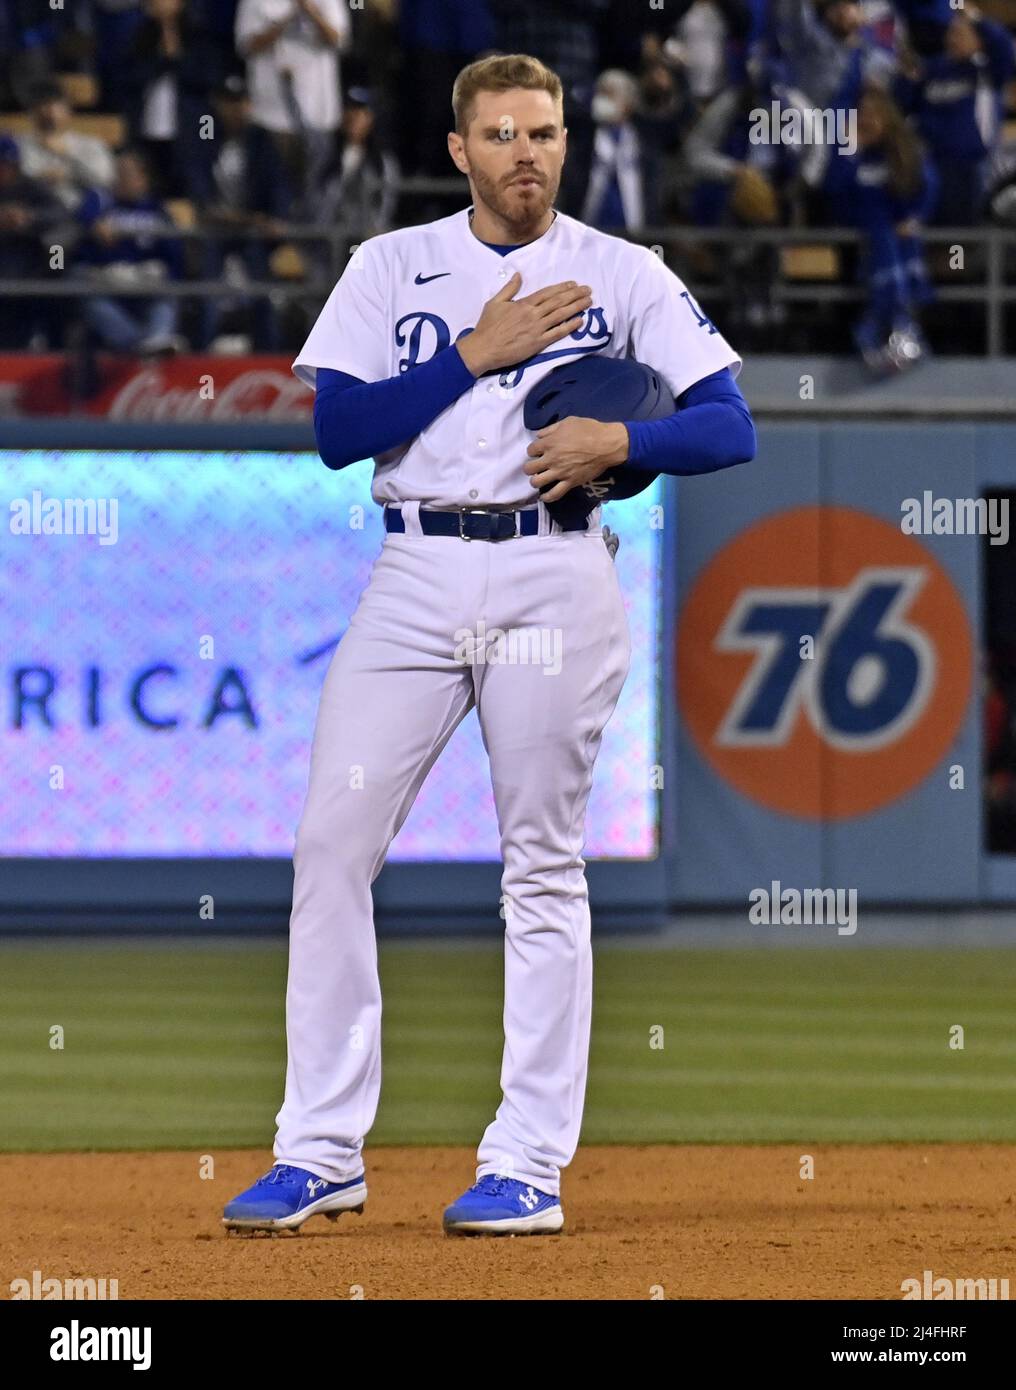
167, 618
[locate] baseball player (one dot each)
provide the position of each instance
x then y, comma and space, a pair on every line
421, 359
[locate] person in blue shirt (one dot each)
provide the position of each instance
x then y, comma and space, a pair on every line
955, 92
129, 241
886, 189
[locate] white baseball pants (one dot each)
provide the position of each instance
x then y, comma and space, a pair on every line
398, 685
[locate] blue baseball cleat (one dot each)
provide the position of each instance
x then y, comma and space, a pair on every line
285, 1197
502, 1206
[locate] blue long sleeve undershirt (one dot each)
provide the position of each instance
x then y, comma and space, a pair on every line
353, 419
711, 429
356, 419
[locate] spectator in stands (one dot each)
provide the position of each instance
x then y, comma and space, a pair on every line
438, 38
129, 241
738, 182
238, 183
956, 94
622, 180
665, 113
631, 41
51, 151
706, 40
564, 34
702, 44
292, 52
674, 104
115, 23
825, 57
30, 218
825, 51
924, 22
28, 37
886, 189
217, 21
173, 70
359, 184
736, 178
882, 23
665, 99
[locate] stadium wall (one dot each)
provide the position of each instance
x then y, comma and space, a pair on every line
856, 766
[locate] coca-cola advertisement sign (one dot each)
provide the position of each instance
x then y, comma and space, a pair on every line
185, 390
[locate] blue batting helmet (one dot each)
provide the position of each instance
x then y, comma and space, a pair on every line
598, 388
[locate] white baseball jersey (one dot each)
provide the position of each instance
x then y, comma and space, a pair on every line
408, 294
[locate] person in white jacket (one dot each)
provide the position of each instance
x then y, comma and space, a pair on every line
292, 48
67, 161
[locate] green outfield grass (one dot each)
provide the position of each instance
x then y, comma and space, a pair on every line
184, 1045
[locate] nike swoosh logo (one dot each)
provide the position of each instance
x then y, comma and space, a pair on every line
426, 279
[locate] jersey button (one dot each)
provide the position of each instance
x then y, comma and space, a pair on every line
473, 492
481, 444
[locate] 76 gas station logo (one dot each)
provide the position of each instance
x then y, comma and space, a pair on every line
848, 660
823, 662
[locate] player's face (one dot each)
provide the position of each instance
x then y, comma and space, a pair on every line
513, 152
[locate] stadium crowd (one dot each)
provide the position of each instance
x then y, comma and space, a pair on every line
245, 118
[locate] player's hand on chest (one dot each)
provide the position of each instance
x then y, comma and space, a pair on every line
498, 322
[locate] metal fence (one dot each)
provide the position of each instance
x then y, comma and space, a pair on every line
985, 254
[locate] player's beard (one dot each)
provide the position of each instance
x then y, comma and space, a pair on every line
521, 214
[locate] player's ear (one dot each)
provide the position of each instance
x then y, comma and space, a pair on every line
457, 150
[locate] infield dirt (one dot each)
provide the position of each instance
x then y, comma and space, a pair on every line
678, 1222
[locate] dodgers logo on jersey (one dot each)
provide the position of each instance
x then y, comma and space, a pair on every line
824, 662
424, 335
